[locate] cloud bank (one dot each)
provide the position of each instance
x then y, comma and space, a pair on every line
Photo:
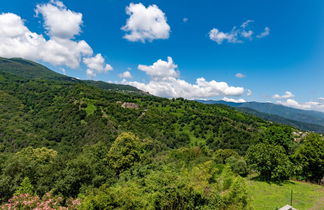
310, 105
165, 82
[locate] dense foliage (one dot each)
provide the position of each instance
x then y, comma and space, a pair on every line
65, 139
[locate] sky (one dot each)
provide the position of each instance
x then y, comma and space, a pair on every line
252, 50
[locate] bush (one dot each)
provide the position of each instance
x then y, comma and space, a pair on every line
238, 165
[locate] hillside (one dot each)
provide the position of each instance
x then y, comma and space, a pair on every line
301, 119
30, 70
67, 142
58, 111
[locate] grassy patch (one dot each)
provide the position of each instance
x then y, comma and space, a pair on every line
272, 196
90, 109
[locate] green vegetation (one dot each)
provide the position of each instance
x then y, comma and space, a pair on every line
65, 140
269, 196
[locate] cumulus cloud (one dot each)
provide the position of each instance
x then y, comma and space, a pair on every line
287, 94
265, 33
161, 69
240, 75
96, 64
63, 52
233, 100
126, 75
237, 34
145, 23
59, 21
61, 25
310, 105
165, 82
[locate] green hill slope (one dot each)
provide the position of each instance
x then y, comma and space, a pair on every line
59, 111
28, 69
112, 146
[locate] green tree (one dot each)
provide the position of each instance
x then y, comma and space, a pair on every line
270, 161
124, 152
25, 187
310, 157
278, 135
36, 164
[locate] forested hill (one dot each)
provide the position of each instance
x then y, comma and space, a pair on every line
39, 107
30, 70
92, 145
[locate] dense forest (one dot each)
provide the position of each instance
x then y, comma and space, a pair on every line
92, 145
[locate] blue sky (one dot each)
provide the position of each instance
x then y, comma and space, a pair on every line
285, 66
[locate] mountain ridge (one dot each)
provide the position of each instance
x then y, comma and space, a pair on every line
303, 119
31, 70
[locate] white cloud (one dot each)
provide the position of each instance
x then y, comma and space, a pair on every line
59, 21
311, 105
16, 40
246, 23
321, 98
65, 52
287, 94
96, 64
145, 23
233, 100
126, 75
240, 75
61, 49
91, 73
265, 33
249, 92
236, 35
161, 69
247, 34
165, 82
219, 36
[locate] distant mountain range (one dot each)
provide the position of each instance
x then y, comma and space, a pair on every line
302, 119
